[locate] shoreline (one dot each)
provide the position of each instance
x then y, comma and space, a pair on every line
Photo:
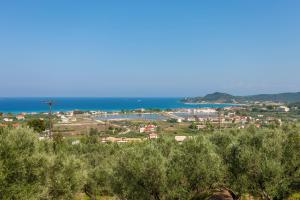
119, 111
229, 104
212, 103
203, 106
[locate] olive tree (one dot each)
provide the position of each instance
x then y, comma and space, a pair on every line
195, 169
140, 173
254, 163
22, 165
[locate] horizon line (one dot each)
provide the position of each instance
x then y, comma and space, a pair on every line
142, 96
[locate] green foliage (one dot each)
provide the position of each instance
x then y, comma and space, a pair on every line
22, 165
140, 173
194, 169
262, 163
193, 126
291, 164
255, 163
132, 134
65, 177
28, 171
172, 120
38, 125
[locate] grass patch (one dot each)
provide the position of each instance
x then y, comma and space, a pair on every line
295, 196
132, 135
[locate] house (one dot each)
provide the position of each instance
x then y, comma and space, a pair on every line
75, 142
283, 109
8, 120
69, 113
16, 125
112, 139
153, 136
190, 119
20, 117
93, 112
120, 140
270, 118
180, 138
148, 129
231, 114
244, 119
64, 119
142, 130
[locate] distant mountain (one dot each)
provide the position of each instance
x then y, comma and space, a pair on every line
216, 97
282, 97
219, 97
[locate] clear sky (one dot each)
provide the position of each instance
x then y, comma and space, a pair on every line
110, 48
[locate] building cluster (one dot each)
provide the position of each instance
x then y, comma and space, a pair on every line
12, 120
151, 130
228, 116
120, 139
258, 120
66, 117
71, 116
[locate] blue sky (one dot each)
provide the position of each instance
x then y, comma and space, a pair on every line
160, 48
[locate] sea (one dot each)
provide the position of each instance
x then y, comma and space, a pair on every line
37, 104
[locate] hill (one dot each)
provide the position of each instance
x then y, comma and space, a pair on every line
219, 97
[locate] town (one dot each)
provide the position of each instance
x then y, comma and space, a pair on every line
143, 124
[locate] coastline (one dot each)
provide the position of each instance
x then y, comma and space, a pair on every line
35, 105
214, 103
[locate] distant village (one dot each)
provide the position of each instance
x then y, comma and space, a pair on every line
117, 126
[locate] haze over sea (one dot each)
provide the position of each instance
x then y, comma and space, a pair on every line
35, 104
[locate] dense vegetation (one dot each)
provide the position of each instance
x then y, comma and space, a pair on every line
227, 98
261, 163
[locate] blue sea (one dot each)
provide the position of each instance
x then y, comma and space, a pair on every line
17, 105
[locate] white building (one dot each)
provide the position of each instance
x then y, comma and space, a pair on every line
64, 119
283, 109
153, 136
180, 138
8, 120
148, 129
75, 142
20, 117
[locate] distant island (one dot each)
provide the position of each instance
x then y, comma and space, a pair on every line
219, 97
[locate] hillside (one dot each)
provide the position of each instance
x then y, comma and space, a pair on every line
219, 97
